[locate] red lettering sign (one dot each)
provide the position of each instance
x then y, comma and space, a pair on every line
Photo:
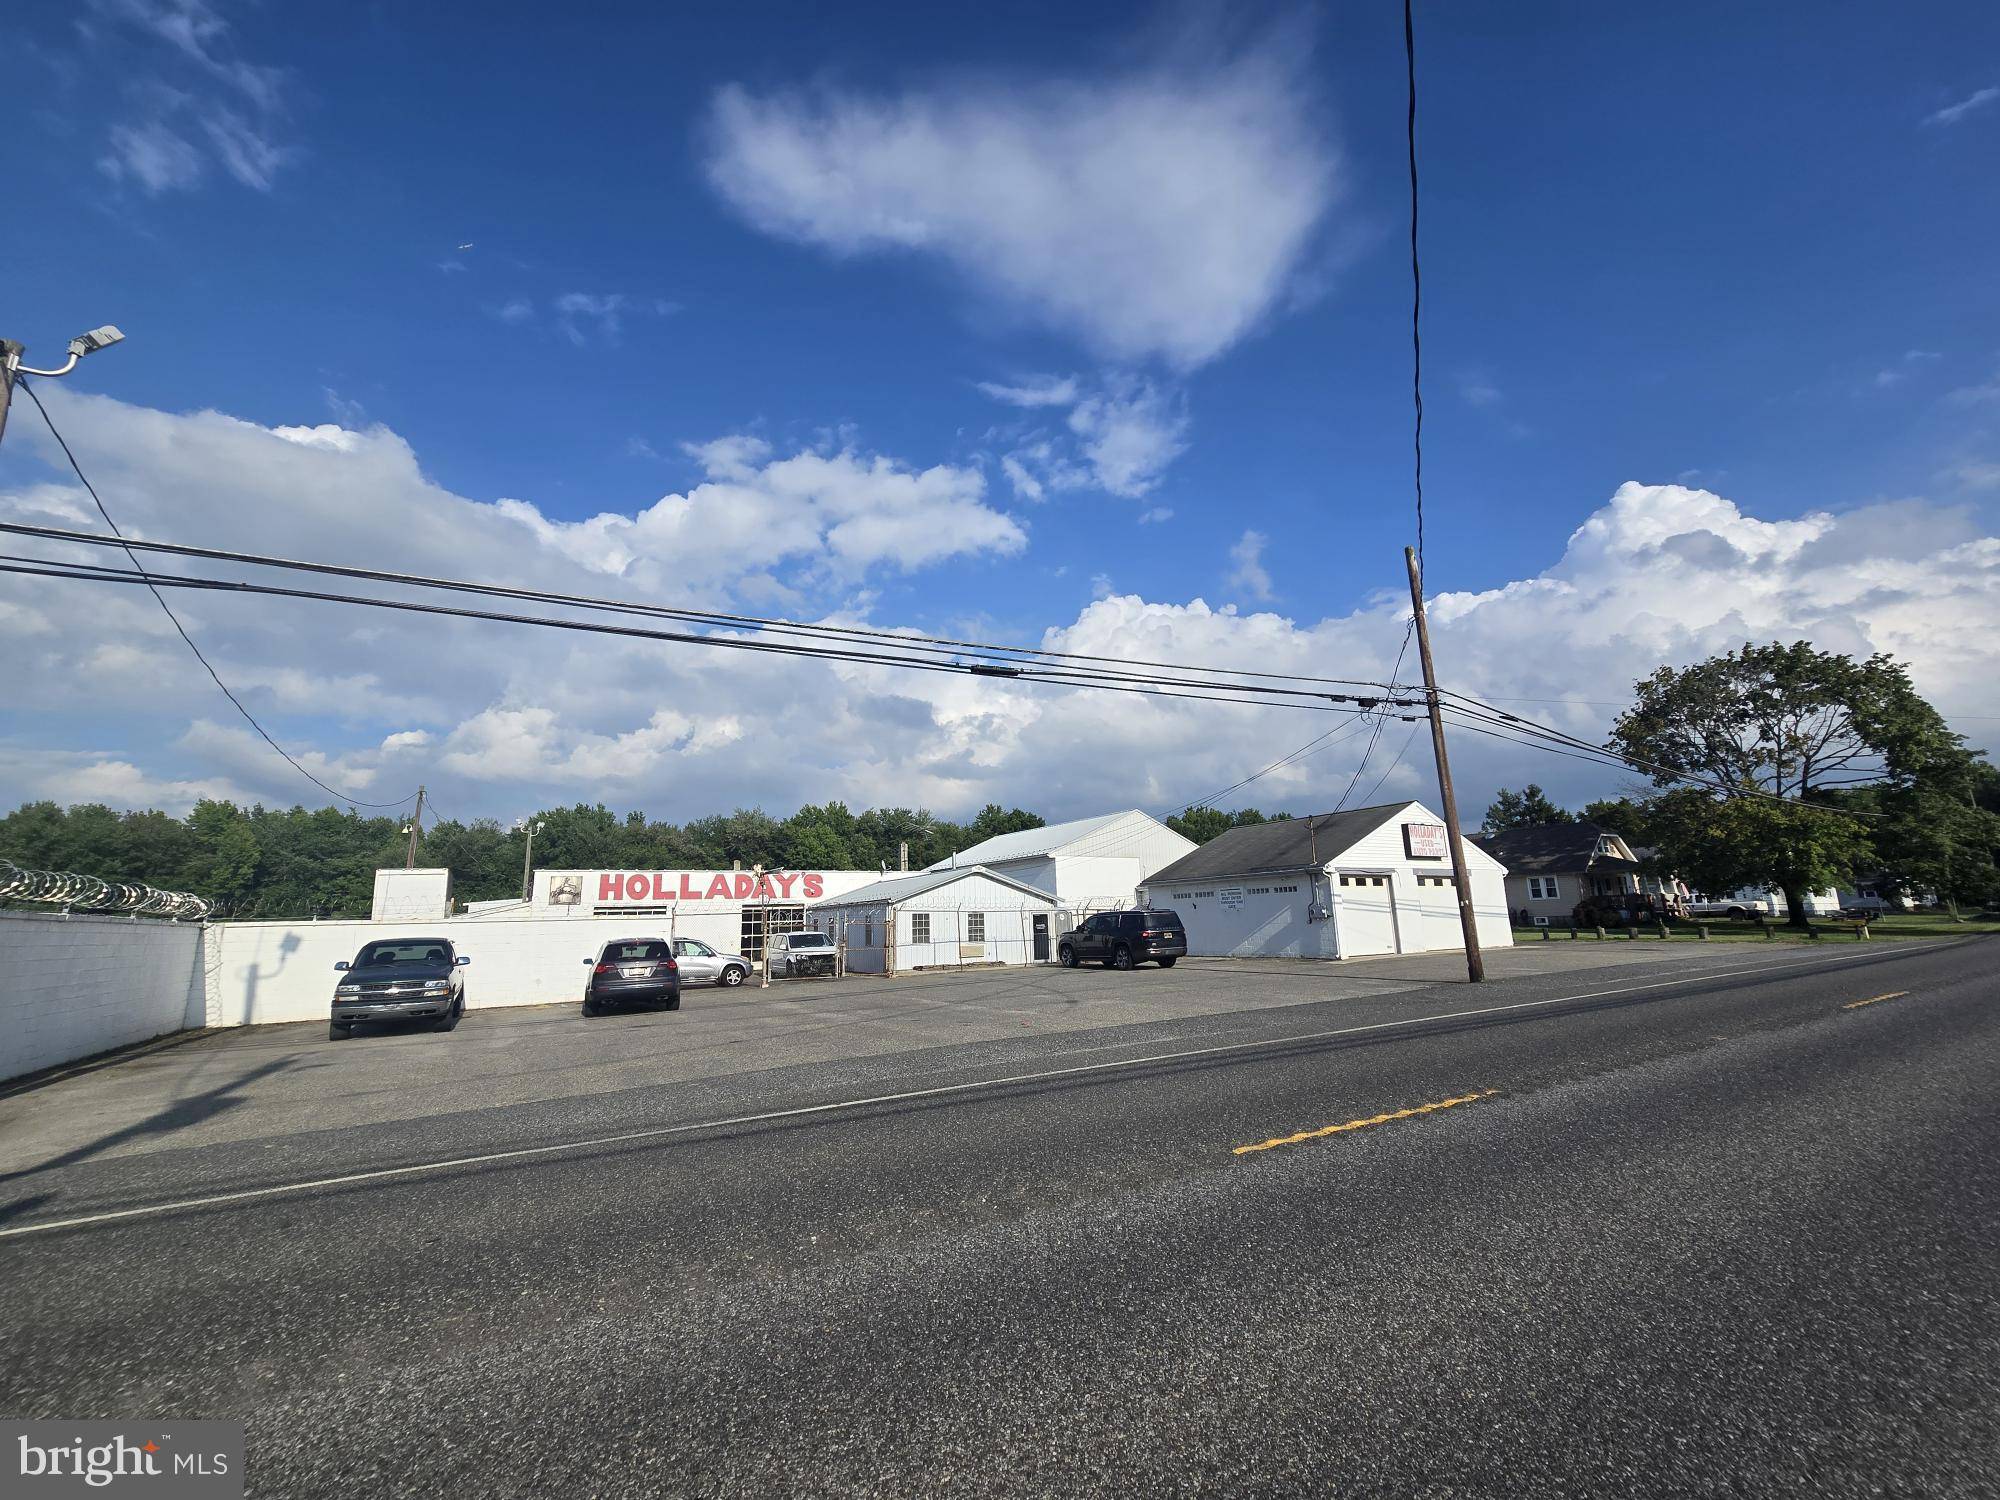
611, 888
744, 885
688, 892
785, 883
719, 887
813, 886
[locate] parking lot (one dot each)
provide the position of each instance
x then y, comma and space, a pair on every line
271, 1082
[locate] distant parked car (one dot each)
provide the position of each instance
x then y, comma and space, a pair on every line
400, 979
1747, 906
703, 964
1120, 939
796, 953
632, 971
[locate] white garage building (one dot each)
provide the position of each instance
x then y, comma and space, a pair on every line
1092, 864
937, 919
1335, 885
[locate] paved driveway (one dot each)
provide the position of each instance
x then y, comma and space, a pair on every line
265, 1081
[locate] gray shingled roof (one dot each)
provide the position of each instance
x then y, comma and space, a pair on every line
1289, 845
1554, 849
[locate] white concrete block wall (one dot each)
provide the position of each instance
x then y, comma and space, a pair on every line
71, 987
264, 972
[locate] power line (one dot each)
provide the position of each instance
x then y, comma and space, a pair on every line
1416, 274
1415, 725
1555, 743
29, 386
1000, 661
1381, 718
93, 573
1307, 748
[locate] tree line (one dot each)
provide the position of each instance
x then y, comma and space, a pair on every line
300, 862
1786, 767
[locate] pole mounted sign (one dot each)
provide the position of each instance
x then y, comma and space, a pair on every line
1425, 841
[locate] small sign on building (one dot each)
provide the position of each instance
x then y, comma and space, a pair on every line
1425, 841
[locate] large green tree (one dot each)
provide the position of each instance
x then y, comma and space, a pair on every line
1760, 747
1204, 823
1528, 808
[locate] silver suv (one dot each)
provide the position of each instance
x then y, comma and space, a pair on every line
701, 964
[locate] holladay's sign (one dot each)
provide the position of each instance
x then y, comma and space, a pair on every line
660, 887
1425, 841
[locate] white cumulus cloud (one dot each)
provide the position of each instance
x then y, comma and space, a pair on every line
1159, 212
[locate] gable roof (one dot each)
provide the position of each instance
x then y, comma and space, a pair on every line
1288, 845
1032, 843
902, 887
1554, 848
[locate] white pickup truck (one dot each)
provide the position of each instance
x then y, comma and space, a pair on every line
1750, 902
795, 953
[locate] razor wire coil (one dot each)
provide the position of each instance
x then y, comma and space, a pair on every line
87, 893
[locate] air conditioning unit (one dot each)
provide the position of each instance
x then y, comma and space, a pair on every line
1541, 921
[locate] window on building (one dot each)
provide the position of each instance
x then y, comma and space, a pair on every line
975, 927
780, 919
1543, 888
920, 927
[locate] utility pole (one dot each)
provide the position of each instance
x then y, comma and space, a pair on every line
528, 863
416, 827
1475, 965
764, 922
10, 361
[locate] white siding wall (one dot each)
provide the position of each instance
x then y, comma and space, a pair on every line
74, 986
1265, 916
1401, 915
1009, 920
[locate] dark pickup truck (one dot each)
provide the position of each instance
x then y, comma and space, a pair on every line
400, 979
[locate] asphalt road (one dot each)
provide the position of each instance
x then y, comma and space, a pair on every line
1713, 1226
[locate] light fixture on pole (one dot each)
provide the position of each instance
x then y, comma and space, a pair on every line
10, 362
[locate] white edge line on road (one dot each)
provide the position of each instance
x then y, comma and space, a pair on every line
657, 1132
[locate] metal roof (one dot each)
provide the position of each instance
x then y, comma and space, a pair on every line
1292, 844
1030, 843
902, 887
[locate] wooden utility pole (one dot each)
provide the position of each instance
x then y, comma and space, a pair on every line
1475, 965
416, 827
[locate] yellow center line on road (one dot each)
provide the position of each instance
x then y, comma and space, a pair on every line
1874, 999
1382, 1119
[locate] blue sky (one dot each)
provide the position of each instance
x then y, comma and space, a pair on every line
1740, 251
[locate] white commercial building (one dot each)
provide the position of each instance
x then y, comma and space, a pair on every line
1092, 864
1337, 885
730, 910
937, 919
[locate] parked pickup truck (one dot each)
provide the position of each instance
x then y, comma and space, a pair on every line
400, 979
796, 953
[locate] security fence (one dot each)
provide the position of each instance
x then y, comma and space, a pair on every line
87, 893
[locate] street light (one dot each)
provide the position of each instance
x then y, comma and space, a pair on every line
10, 362
528, 860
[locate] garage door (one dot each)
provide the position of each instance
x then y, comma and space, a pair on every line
1439, 897
1367, 915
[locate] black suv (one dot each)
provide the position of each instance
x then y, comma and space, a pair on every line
400, 979
632, 971
1124, 938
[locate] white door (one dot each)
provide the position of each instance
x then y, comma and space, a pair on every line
1367, 914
